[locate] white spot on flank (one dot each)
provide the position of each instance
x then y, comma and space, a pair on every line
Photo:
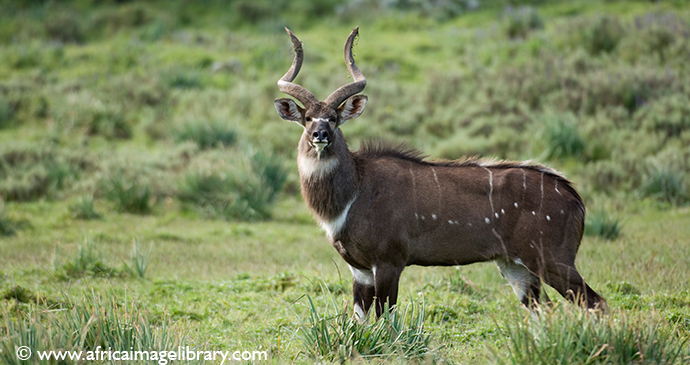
450, 222
310, 167
503, 211
433, 216
362, 277
562, 212
334, 226
548, 218
469, 224
416, 215
487, 220
533, 213
496, 214
456, 222
422, 217
515, 204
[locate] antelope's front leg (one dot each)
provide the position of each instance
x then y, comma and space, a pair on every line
363, 292
386, 277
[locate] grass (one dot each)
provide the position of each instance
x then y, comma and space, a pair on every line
600, 223
336, 335
157, 120
563, 336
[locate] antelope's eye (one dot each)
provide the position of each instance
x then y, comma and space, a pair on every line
308, 119
331, 119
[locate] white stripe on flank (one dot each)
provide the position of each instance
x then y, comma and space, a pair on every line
491, 189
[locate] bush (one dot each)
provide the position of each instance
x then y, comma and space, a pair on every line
665, 184
562, 137
131, 196
601, 224
84, 209
241, 185
604, 35
64, 26
32, 171
668, 115
206, 134
8, 227
521, 21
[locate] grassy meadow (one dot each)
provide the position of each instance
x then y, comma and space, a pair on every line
149, 195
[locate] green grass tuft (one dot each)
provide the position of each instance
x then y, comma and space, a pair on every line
562, 136
665, 184
98, 321
335, 334
241, 186
129, 196
570, 336
601, 224
87, 261
206, 134
84, 209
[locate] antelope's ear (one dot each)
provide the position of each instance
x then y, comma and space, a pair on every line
352, 108
289, 110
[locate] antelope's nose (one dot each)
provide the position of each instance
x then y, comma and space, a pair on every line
320, 136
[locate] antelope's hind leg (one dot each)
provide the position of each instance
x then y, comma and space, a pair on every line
526, 284
568, 282
362, 291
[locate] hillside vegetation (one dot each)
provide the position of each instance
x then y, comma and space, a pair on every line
142, 164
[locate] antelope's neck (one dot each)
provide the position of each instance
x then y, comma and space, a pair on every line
329, 183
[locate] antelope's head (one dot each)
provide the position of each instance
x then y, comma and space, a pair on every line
321, 119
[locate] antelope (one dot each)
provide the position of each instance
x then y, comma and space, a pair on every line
386, 207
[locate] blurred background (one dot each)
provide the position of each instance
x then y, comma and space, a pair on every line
143, 166
136, 102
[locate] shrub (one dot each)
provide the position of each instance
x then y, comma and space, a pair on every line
600, 223
64, 26
521, 21
8, 227
129, 195
32, 171
665, 184
668, 115
206, 134
84, 209
242, 185
604, 35
562, 137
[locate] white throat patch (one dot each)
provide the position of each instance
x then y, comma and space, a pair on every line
310, 167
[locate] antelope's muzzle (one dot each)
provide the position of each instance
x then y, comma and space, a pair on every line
320, 140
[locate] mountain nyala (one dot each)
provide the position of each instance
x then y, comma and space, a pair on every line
385, 207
